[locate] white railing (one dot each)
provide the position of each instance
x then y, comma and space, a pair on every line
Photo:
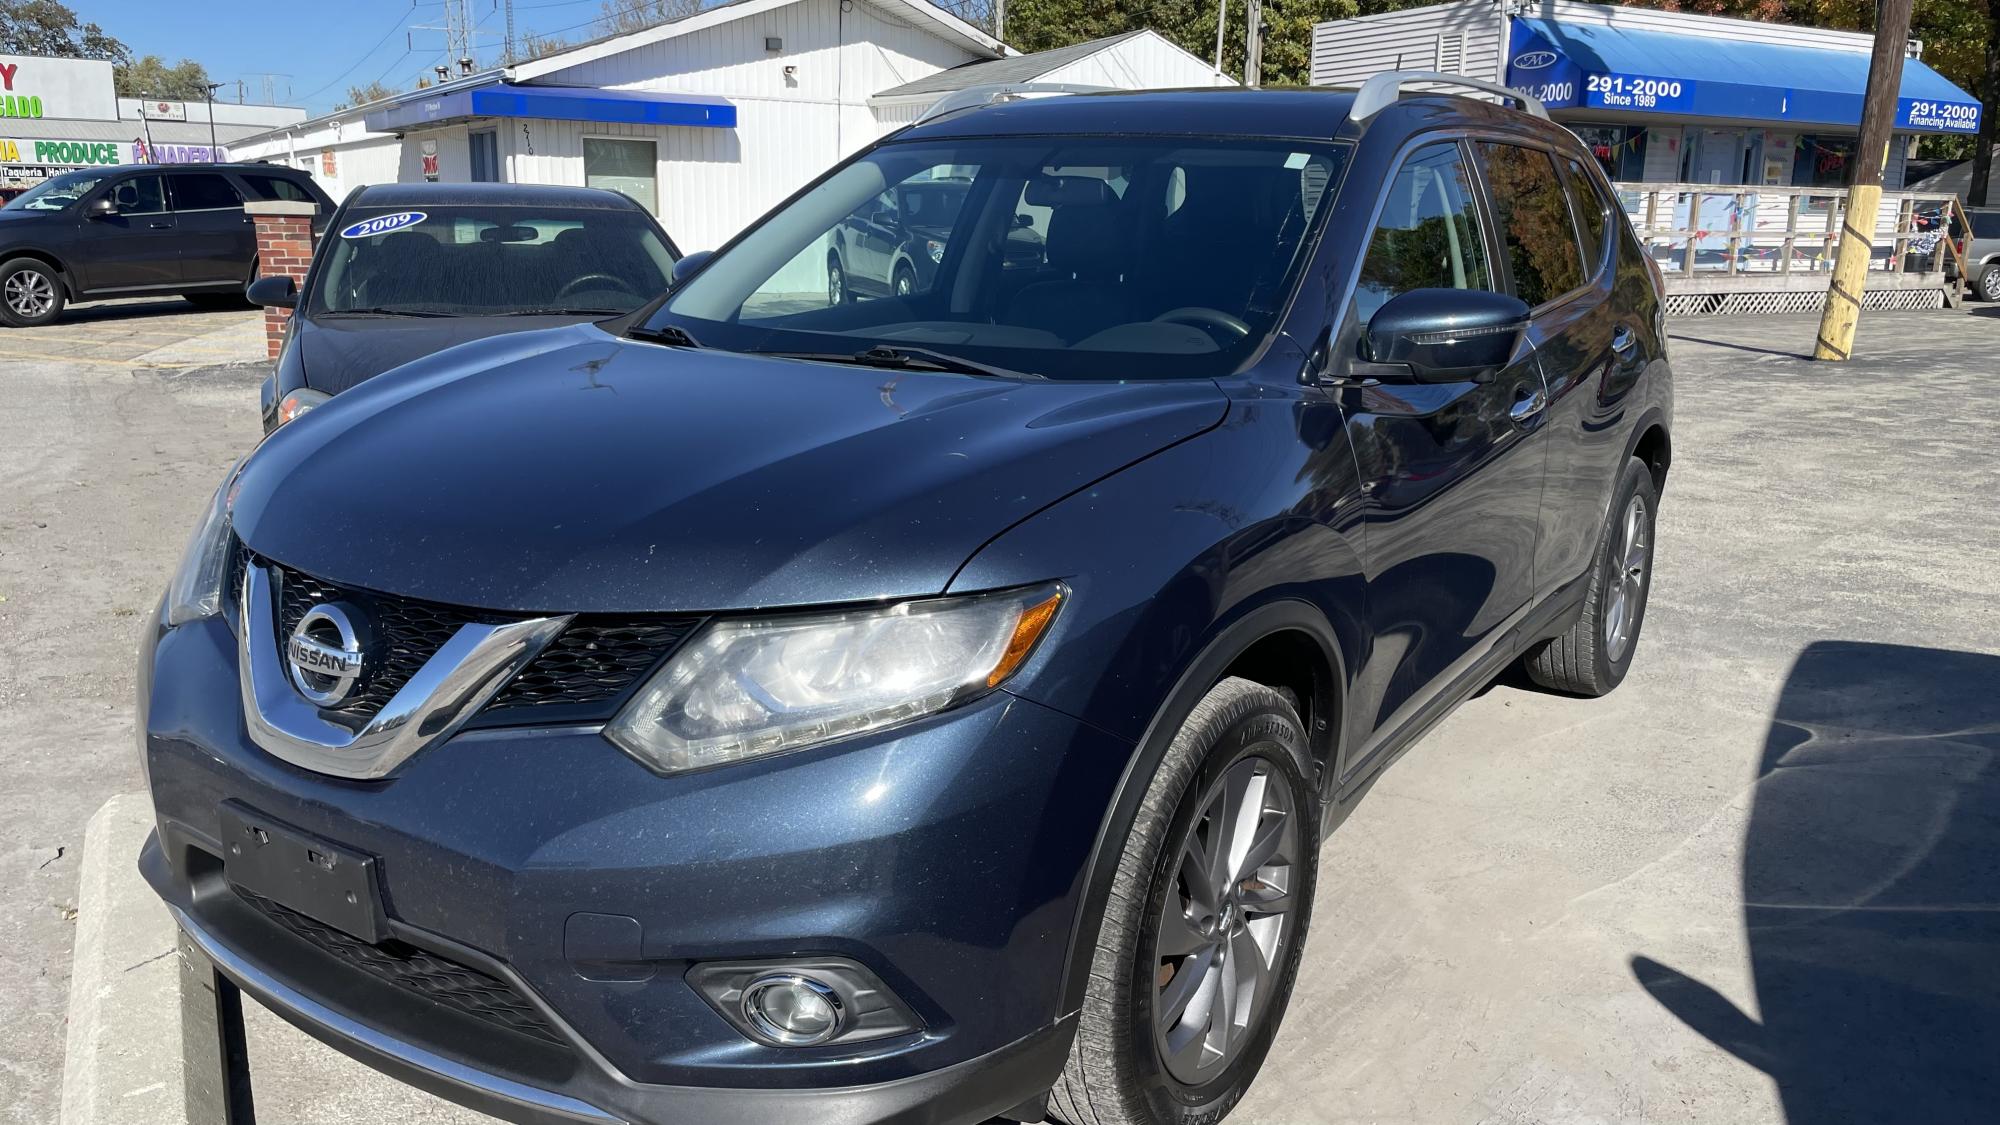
1707, 231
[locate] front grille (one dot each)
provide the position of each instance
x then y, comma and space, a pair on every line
438, 979
583, 675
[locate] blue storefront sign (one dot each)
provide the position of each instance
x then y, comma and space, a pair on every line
1593, 66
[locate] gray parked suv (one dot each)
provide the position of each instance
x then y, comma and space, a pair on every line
1982, 252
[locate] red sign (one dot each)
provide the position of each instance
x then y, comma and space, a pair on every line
430, 166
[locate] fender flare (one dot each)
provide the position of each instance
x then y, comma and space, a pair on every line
63, 273
1652, 416
1200, 674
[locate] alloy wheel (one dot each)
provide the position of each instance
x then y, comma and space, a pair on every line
30, 293
836, 284
1631, 555
1226, 922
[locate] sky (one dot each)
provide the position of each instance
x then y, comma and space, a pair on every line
317, 49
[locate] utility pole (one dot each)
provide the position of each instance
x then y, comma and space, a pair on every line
1864, 195
1253, 45
510, 31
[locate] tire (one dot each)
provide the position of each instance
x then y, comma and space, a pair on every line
1122, 1067
1591, 659
904, 286
1989, 282
837, 292
31, 293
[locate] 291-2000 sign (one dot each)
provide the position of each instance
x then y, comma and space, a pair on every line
1617, 90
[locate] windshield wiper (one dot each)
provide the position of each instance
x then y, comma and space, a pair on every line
383, 311
666, 334
920, 359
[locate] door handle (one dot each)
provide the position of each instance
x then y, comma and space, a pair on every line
1528, 405
159, 226
1624, 341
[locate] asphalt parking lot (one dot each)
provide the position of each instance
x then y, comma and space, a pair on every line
1758, 884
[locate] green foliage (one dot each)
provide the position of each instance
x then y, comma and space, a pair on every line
48, 27
362, 95
151, 77
1037, 25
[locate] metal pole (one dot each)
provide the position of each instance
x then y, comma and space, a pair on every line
1253, 45
215, 1064
212, 146
1864, 195
1221, 22
1000, 20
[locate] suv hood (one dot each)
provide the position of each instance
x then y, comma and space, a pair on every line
569, 470
336, 353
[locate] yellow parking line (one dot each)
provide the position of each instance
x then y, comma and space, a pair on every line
7, 355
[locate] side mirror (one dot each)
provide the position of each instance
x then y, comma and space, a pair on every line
1443, 335
100, 208
884, 219
274, 291
1024, 221
688, 266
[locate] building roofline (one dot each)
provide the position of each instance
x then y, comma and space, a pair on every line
607, 46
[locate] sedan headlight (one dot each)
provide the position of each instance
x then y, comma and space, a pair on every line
297, 403
746, 688
196, 591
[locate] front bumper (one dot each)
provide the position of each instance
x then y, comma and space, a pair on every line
947, 857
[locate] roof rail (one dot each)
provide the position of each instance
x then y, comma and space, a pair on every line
973, 97
1381, 92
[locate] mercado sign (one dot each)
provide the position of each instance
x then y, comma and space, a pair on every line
31, 87
1590, 73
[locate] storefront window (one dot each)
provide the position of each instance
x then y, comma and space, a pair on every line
623, 165
1822, 161
1620, 149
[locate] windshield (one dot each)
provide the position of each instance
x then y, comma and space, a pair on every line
56, 193
491, 261
1071, 258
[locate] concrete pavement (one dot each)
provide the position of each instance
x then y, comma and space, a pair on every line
1754, 885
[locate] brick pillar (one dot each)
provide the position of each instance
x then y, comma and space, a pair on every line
284, 249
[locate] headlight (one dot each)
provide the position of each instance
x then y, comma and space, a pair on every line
742, 689
297, 403
196, 590
935, 249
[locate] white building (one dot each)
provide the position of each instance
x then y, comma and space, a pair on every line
58, 115
708, 120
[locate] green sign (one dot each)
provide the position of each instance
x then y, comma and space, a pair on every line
77, 152
22, 105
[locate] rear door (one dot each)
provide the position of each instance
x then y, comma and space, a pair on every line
1588, 346
136, 246
217, 239
1452, 472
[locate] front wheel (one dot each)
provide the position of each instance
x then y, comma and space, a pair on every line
836, 282
31, 294
1205, 922
1989, 283
1593, 656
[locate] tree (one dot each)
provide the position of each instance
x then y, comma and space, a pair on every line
48, 27
622, 16
533, 46
151, 77
373, 92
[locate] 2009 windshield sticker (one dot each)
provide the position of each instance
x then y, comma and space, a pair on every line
383, 224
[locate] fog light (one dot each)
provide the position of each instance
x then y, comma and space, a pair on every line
793, 1010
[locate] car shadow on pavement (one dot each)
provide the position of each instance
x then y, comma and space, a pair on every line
1871, 889
140, 309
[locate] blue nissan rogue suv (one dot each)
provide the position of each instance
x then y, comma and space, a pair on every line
787, 704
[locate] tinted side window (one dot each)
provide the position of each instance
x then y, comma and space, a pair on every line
1589, 214
1986, 224
1429, 235
201, 191
277, 187
1534, 219
139, 195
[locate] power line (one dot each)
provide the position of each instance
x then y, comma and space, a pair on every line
398, 26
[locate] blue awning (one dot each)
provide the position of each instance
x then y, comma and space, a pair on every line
1595, 66
555, 103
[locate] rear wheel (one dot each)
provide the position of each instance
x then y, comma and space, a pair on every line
1594, 655
30, 293
1989, 283
836, 281
1205, 922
